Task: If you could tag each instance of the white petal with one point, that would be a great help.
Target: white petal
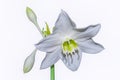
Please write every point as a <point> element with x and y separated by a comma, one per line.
<point>64,22</point>
<point>89,46</point>
<point>87,32</point>
<point>29,62</point>
<point>72,62</point>
<point>51,58</point>
<point>49,43</point>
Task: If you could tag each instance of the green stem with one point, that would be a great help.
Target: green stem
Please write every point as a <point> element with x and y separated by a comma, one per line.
<point>52,72</point>
<point>38,27</point>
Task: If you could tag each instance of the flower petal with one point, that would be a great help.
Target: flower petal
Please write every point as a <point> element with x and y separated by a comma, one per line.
<point>48,44</point>
<point>89,46</point>
<point>87,32</point>
<point>29,62</point>
<point>72,61</point>
<point>51,58</point>
<point>64,22</point>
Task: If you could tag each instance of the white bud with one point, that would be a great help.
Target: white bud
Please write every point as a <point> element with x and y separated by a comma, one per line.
<point>31,15</point>
<point>29,62</point>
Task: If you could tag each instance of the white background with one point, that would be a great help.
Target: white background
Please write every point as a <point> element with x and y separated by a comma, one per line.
<point>18,36</point>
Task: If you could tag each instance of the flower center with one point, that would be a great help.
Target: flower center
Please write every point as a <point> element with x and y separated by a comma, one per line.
<point>69,46</point>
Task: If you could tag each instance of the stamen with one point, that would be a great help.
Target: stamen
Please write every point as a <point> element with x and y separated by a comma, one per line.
<point>64,57</point>
<point>69,48</point>
<point>73,52</point>
<point>76,50</point>
<point>71,58</point>
<point>68,59</point>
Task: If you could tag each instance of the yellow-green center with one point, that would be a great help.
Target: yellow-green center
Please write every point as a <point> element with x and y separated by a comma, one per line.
<point>69,46</point>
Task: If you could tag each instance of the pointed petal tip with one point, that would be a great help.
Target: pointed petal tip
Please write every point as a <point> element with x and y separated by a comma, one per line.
<point>98,25</point>
<point>63,12</point>
<point>102,48</point>
<point>74,69</point>
<point>42,67</point>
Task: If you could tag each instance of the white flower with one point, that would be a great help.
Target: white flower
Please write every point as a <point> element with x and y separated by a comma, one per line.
<point>67,43</point>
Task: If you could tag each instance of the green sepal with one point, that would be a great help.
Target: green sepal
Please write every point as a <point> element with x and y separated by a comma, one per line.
<point>46,31</point>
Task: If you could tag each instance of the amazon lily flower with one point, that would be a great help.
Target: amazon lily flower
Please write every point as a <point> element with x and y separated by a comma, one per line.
<point>67,43</point>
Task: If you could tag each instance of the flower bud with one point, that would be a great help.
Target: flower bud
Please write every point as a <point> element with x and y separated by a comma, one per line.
<point>29,62</point>
<point>31,15</point>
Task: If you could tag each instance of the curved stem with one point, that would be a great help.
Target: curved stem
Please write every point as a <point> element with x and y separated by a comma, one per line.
<point>52,72</point>
<point>38,27</point>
